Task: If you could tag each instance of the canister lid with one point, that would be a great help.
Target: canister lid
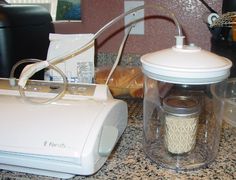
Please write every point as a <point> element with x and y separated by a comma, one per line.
<point>181,105</point>
<point>187,65</point>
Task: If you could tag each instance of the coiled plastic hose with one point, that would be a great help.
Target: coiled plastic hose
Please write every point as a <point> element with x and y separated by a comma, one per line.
<point>12,80</point>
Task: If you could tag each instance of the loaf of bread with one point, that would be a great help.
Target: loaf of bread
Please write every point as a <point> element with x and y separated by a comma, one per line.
<point>124,80</point>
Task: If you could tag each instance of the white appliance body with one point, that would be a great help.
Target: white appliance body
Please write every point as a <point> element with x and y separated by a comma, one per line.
<point>72,136</point>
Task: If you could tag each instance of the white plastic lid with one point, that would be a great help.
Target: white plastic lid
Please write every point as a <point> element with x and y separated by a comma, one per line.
<point>187,65</point>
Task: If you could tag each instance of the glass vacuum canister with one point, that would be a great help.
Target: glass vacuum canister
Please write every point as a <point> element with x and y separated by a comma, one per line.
<point>183,106</point>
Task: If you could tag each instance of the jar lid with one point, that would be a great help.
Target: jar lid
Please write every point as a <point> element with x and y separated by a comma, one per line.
<point>181,105</point>
<point>187,65</point>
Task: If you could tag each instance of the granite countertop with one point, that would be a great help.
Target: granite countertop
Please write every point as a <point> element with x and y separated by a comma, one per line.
<point>128,160</point>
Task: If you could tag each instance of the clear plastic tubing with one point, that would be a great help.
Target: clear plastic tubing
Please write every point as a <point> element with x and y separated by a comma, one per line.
<point>109,24</point>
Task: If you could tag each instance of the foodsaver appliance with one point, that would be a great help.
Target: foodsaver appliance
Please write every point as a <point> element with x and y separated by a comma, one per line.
<point>59,129</point>
<point>74,135</point>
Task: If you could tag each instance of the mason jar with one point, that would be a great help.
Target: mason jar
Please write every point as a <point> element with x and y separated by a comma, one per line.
<point>181,114</point>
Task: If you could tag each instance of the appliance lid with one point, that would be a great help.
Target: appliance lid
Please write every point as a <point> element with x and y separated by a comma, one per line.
<point>59,129</point>
<point>187,65</point>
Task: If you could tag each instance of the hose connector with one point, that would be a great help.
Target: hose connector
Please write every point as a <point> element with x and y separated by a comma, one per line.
<point>30,70</point>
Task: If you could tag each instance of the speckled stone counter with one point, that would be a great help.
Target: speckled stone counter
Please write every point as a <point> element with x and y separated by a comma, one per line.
<point>128,160</point>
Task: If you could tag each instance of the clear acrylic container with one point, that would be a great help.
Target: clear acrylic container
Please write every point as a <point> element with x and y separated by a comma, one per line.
<point>183,106</point>
<point>182,136</point>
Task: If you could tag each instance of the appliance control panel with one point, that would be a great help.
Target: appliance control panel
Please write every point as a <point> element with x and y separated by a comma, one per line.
<point>49,89</point>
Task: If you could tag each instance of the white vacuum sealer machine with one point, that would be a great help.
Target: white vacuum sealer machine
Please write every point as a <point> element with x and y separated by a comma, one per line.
<point>72,136</point>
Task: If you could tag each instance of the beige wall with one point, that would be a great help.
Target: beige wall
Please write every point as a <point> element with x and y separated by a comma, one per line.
<point>159,30</point>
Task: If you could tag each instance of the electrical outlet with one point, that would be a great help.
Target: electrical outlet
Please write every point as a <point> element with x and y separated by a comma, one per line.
<point>137,17</point>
